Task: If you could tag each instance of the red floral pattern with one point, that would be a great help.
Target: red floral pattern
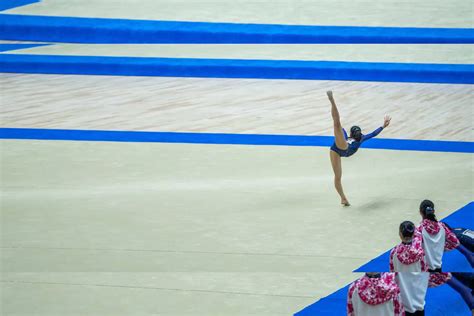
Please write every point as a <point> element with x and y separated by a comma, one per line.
<point>409,253</point>
<point>438,278</point>
<point>375,291</point>
<point>433,228</point>
<point>452,241</point>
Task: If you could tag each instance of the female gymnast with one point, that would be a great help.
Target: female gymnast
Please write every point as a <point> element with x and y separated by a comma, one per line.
<point>346,147</point>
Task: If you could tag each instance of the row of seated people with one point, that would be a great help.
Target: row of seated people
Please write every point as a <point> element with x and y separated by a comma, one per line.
<point>415,265</point>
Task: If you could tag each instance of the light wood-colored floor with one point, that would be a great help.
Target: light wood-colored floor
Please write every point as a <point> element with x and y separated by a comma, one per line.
<point>416,13</point>
<point>419,111</point>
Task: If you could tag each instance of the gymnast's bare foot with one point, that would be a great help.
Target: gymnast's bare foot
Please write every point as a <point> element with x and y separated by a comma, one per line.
<point>345,202</point>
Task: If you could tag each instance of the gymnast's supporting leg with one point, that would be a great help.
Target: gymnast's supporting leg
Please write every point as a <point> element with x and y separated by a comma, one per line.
<point>337,167</point>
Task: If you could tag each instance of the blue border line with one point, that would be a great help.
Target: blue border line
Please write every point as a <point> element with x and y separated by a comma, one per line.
<point>10,4</point>
<point>237,68</point>
<point>8,47</point>
<point>113,31</point>
<point>228,139</point>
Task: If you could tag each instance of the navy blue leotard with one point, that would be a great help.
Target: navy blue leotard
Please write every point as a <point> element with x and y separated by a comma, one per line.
<point>354,145</point>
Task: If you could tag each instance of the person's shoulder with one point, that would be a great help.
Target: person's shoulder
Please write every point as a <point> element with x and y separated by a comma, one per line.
<point>352,287</point>
<point>446,226</point>
<point>394,249</point>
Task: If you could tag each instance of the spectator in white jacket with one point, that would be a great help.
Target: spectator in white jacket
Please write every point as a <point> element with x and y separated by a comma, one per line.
<point>408,260</point>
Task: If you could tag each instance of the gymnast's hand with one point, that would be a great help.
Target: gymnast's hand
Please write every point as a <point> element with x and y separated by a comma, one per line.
<point>386,121</point>
<point>329,93</point>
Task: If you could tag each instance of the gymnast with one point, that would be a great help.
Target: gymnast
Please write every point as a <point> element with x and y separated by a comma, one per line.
<point>346,146</point>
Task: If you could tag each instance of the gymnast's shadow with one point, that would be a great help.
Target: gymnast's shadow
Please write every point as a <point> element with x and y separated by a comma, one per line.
<point>372,205</point>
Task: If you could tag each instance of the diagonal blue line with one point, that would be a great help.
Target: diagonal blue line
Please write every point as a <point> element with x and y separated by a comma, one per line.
<point>8,47</point>
<point>10,4</point>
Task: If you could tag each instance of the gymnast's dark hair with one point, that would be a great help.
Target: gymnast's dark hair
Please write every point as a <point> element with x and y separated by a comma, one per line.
<point>356,133</point>
<point>427,210</point>
<point>407,229</point>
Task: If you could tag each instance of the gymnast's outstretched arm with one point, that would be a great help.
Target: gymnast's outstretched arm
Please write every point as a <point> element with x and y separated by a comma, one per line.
<point>386,123</point>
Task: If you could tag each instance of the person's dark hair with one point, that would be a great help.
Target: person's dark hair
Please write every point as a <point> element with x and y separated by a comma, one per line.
<point>427,210</point>
<point>373,275</point>
<point>407,229</point>
<point>356,133</point>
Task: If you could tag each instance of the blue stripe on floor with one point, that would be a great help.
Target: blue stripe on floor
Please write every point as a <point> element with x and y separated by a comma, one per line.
<point>113,31</point>
<point>230,139</point>
<point>237,68</point>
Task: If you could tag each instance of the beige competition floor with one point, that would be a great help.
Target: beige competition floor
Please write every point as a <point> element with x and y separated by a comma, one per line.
<point>176,229</point>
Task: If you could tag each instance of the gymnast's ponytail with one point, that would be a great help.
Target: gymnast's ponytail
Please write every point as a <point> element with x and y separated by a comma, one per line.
<point>427,210</point>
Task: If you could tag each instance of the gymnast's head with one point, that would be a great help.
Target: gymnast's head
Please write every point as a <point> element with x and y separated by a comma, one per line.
<point>356,133</point>
<point>406,231</point>
<point>427,210</point>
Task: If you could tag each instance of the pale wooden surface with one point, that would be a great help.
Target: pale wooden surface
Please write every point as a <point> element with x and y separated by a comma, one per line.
<point>417,13</point>
<point>420,111</point>
<point>444,54</point>
<point>93,228</point>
